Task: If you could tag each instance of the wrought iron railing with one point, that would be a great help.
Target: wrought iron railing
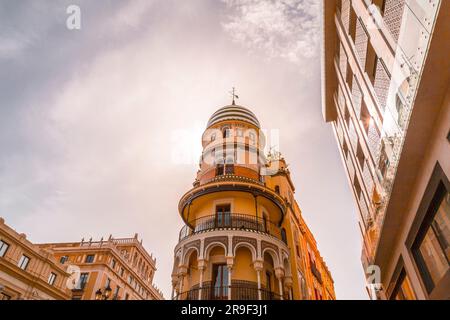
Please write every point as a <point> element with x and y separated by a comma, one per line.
<point>233,221</point>
<point>236,292</point>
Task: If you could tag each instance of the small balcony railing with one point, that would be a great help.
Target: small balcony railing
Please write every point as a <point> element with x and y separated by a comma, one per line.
<point>236,292</point>
<point>231,221</point>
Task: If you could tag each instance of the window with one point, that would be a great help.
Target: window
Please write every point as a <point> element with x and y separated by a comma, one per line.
<point>357,188</point>
<point>360,156</point>
<point>52,278</point>
<point>269,281</point>
<point>219,170</point>
<point>63,259</point>
<point>3,248</point>
<point>89,258</point>
<point>223,215</point>
<point>252,136</point>
<point>23,262</point>
<point>113,263</point>
<point>116,293</point>
<point>108,283</point>
<point>371,62</point>
<point>352,26</point>
<point>380,4</point>
<point>318,293</point>
<point>347,116</point>
<point>240,133</point>
<point>83,280</point>
<point>383,163</point>
<point>431,249</point>
<point>277,189</point>
<point>127,296</point>
<point>345,148</point>
<point>403,289</point>
<point>297,250</point>
<point>213,137</point>
<point>226,132</point>
<point>122,271</point>
<point>303,286</point>
<point>349,77</point>
<point>220,282</point>
<point>365,117</point>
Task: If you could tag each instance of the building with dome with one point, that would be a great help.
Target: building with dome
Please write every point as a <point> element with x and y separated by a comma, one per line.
<point>244,237</point>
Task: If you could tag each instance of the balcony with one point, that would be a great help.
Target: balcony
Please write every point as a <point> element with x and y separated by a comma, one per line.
<point>236,292</point>
<point>231,221</point>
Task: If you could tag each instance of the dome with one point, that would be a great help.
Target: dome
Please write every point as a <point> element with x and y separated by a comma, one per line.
<point>233,112</point>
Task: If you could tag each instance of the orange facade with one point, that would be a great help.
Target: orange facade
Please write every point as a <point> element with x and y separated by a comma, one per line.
<point>244,237</point>
<point>28,272</point>
<point>112,269</point>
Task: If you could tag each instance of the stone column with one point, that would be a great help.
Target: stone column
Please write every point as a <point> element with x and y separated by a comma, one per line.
<point>230,262</point>
<point>174,285</point>
<point>201,267</point>
<point>258,265</point>
<point>288,285</point>
<point>181,274</point>
<point>279,273</point>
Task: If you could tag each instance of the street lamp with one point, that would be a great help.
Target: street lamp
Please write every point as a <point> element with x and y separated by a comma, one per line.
<point>99,295</point>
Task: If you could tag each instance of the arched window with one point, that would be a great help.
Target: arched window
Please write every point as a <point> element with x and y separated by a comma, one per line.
<point>277,189</point>
<point>283,235</point>
<point>213,137</point>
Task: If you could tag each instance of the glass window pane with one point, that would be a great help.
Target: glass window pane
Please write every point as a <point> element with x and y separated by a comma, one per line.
<point>405,291</point>
<point>224,276</point>
<point>433,256</point>
<point>441,225</point>
<point>3,247</point>
<point>23,262</point>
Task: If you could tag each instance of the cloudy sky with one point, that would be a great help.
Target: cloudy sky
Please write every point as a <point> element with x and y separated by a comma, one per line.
<point>100,128</point>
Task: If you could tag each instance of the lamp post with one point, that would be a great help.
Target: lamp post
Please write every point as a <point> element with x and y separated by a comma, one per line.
<point>99,295</point>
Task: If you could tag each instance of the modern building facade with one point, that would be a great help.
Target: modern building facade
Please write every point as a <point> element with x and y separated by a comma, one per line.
<point>244,235</point>
<point>112,269</point>
<point>386,93</point>
<point>28,272</point>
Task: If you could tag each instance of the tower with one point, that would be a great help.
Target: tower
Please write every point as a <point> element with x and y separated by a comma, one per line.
<point>244,237</point>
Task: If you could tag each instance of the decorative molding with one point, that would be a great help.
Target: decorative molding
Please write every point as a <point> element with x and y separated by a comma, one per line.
<point>265,245</point>
<point>219,239</point>
<point>251,241</point>
<point>193,244</point>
